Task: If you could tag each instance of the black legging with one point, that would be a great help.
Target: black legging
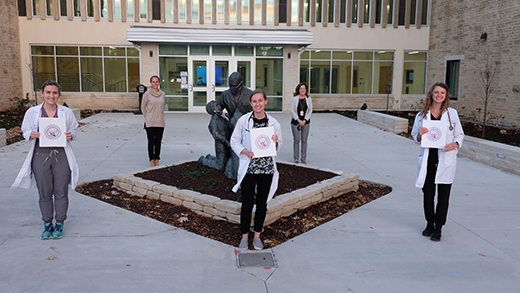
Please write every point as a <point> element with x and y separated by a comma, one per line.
<point>262,182</point>
<point>154,135</point>
<point>434,215</point>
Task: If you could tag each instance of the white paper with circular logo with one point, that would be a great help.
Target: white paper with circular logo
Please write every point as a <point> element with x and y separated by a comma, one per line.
<point>436,135</point>
<point>52,132</point>
<point>261,142</point>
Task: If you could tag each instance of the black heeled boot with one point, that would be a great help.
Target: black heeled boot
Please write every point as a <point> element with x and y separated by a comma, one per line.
<point>436,234</point>
<point>429,230</point>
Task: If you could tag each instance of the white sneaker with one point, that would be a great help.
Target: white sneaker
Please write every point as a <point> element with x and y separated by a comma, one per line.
<point>243,244</point>
<point>257,243</point>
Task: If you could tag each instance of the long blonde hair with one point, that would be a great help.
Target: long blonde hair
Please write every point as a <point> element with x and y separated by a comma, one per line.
<point>429,99</point>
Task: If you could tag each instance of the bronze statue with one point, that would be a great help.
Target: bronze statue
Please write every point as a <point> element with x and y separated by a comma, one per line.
<point>235,101</point>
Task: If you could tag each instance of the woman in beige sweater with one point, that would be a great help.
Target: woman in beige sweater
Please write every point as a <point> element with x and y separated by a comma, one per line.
<point>152,107</point>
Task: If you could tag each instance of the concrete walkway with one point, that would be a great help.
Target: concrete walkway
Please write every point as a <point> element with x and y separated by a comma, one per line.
<point>375,248</point>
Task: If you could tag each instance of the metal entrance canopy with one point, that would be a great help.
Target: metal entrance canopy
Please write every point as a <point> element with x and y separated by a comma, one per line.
<point>145,34</point>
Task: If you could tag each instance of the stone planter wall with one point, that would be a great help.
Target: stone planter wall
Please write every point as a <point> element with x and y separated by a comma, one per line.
<point>383,121</point>
<point>3,137</point>
<point>501,156</point>
<point>207,205</point>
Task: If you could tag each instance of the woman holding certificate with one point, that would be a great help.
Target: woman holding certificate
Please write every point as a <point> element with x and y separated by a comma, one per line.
<point>439,131</point>
<point>256,173</point>
<point>152,107</point>
<point>301,110</point>
<point>50,164</point>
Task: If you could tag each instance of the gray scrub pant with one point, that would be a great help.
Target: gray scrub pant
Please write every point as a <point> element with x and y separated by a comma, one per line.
<point>300,136</point>
<point>52,173</point>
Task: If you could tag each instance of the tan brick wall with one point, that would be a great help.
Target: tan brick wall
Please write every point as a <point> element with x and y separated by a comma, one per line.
<point>456,27</point>
<point>10,71</point>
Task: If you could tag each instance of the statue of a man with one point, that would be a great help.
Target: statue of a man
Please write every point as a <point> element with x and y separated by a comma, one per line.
<point>235,99</point>
<point>221,131</point>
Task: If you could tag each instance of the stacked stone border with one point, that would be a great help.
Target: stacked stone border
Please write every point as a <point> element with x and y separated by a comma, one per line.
<point>282,205</point>
<point>383,121</point>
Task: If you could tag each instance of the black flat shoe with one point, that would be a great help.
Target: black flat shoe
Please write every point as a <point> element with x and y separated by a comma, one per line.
<point>428,231</point>
<point>436,235</point>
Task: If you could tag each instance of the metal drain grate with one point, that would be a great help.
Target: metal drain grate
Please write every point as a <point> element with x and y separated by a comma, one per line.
<point>255,259</point>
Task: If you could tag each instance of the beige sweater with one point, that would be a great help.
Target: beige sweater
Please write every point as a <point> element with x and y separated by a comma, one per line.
<point>152,107</point>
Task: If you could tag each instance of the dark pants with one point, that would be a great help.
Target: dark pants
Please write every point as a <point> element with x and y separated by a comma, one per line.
<point>439,214</point>
<point>154,135</point>
<point>52,173</point>
<point>262,182</point>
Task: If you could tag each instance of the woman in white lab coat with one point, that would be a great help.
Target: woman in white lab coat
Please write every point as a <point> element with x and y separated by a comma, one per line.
<point>257,177</point>
<point>51,169</point>
<point>436,167</point>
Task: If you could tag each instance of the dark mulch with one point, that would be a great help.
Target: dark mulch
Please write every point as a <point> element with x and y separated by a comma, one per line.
<point>206,180</point>
<point>274,234</point>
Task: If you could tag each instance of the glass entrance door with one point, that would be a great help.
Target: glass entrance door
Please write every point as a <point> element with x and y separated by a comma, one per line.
<point>208,78</point>
<point>199,83</point>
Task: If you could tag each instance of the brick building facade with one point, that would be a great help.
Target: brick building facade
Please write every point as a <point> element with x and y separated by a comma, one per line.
<point>465,34</point>
<point>10,61</point>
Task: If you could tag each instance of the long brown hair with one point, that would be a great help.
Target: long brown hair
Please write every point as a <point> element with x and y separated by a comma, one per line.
<point>297,90</point>
<point>429,98</point>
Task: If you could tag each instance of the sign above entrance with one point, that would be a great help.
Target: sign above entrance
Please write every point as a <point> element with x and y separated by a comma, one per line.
<point>139,34</point>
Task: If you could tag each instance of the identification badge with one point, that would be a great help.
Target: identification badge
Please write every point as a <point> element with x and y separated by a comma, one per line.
<point>301,113</point>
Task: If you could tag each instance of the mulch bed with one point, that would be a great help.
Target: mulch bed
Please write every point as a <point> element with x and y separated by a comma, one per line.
<point>278,232</point>
<point>209,181</point>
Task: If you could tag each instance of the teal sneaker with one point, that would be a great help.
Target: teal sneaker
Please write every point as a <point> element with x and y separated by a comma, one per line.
<point>58,231</point>
<point>48,229</point>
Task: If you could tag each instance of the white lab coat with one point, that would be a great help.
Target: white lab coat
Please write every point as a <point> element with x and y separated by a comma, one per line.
<point>447,160</point>
<point>25,178</point>
<point>241,139</point>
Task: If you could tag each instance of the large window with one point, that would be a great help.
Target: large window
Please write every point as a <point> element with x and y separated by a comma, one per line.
<point>414,71</point>
<point>173,68</point>
<point>347,72</point>
<point>269,75</point>
<point>452,78</point>
<point>86,69</point>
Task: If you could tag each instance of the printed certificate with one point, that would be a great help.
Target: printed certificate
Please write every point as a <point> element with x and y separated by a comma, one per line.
<point>436,135</point>
<point>261,143</point>
<point>52,132</point>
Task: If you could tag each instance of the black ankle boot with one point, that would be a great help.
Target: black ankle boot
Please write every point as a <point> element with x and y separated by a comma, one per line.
<point>428,231</point>
<point>436,235</point>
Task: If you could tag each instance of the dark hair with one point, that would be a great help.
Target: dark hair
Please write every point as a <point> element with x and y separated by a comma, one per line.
<point>258,91</point>
<point>155,77</point>
<point>51,82</point>
<point>429,98</point>
<point>297,90</point>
